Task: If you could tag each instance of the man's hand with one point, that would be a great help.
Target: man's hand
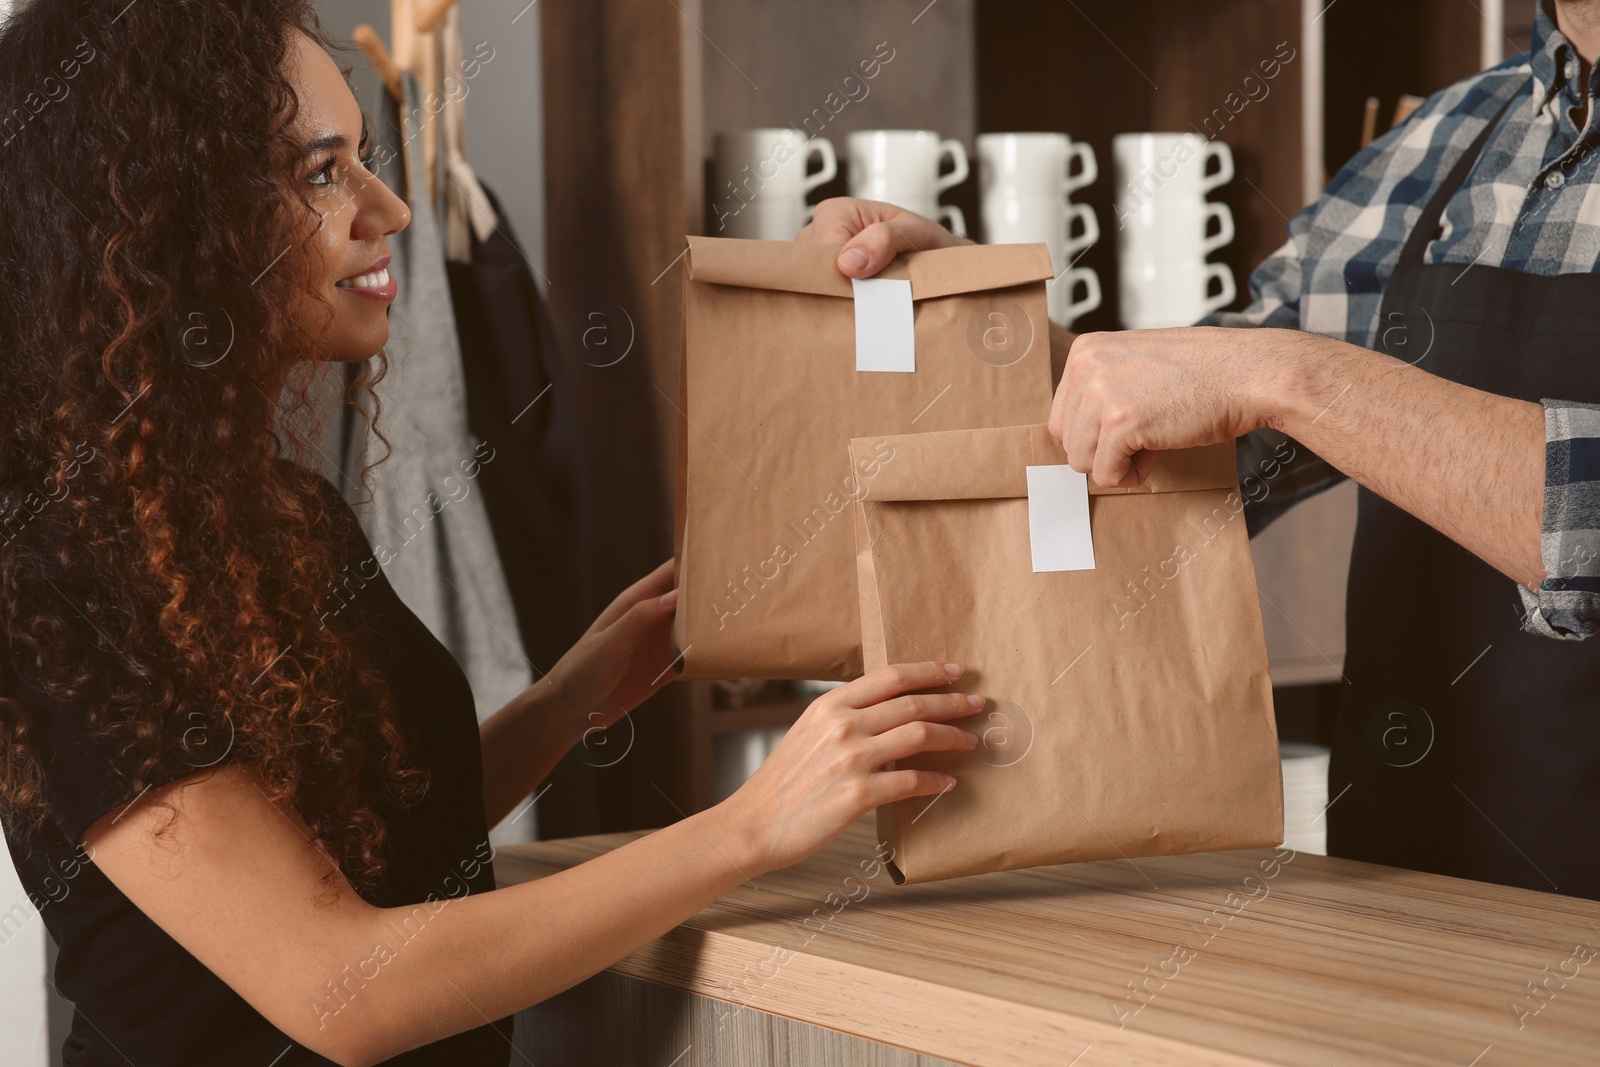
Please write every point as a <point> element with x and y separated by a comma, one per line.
<point>1126,396</point>
<point>873,233</point>
<point>1469,463</point>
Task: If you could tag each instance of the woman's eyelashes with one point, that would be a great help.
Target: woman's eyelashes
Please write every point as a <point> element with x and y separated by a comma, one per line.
<point>324,175</point>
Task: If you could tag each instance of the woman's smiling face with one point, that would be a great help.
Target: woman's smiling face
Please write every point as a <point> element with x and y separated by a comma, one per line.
<point>355,211</point>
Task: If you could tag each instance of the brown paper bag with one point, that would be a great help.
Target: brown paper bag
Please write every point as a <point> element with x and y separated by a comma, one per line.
<point>1130,711</point>
<point>769,401</point>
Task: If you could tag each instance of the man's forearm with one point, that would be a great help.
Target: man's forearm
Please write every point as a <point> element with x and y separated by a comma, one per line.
<point>1468,463</point>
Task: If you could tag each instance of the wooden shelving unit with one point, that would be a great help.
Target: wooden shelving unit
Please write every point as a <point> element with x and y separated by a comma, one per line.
<point>634,90</point>
<point>706,721</point>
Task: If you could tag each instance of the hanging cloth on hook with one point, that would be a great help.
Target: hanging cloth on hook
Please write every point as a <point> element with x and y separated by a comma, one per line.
<point>520,400</point>
<point>465,202</point>
<point>427,520</point>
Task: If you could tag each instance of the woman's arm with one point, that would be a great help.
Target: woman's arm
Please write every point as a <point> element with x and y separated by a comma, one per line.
<point>237,887</point>
<point>522,743</point>
<point>236,881</point>
<point>619,661</point>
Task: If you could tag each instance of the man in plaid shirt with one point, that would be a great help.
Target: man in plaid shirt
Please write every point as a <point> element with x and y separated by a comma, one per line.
<point>1431,329</point>
<point>1531,205</point>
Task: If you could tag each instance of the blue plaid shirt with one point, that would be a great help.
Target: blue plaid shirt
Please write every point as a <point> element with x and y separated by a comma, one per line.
<point>1531,204</point>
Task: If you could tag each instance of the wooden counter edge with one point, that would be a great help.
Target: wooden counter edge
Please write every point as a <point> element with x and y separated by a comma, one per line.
<point>924,1017</point>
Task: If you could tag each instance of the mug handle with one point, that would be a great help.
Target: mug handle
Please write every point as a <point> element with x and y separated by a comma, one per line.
<point>1219,151</point>
<point>958,161</point>
<point>1088,170</point>
<point>1225,232</point>
<point>954,220</point>
<point>1090,234</point>
<point>1222,273</point>
<point>1091,296</point>
<point>830,164</point>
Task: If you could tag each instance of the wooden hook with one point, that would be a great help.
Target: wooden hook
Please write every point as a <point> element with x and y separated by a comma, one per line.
<point>432,12</point>
<point>1369,121</point>
<point>1405,106</point>
<point>372,45</point>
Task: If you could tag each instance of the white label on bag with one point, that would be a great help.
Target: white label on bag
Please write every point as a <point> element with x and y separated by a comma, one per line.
<point>886,338</point>
<point>1058,519</point>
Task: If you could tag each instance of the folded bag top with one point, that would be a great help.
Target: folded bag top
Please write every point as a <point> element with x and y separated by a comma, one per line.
<point>796,267</point>
<point>993,463</point>
<point>769,399</point>
<point>1130,708</point>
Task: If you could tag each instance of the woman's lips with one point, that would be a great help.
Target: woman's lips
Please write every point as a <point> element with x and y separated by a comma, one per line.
<point>376,284</point>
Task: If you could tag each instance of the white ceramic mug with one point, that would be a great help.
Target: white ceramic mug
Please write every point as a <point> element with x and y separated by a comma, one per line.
<point>1011,218</point>
<point>1173,227</point>
<point>760,182</point>
<point>1156,165</point>
<point>1037,163</point>
<point>1157,293</point>
<point>1062,309</point>
<point>953,218</point>
<point>1025,183</point>
<point>901,167</point>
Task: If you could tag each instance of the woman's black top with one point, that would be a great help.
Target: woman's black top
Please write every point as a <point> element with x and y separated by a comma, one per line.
<point>140,997</point>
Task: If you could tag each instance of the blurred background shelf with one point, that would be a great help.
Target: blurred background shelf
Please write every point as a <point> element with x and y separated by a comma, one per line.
<point>777,714</point>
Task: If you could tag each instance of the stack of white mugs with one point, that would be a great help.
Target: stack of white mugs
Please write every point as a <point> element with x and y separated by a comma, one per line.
<point>1166,228</point>
<point>1025,184</point>
<point>760,178</point>
<point>1166,225</point>
<point>905,168</point>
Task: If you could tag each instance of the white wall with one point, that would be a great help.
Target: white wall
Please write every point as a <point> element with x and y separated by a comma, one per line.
<point>23,1030</point>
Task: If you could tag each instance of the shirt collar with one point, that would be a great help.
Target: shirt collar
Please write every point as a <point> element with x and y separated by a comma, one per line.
<point>1552,57</point>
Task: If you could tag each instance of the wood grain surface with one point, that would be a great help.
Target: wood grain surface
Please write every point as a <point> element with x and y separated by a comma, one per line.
<point>1223,958</point>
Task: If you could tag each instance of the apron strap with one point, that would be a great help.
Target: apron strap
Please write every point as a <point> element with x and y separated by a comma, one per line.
<point>1428,225</point>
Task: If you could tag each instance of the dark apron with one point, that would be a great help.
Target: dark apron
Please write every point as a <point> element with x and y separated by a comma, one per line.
<point>1465,745</point>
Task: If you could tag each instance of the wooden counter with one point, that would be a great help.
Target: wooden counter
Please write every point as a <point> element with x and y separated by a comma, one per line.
<point>1224,958</point>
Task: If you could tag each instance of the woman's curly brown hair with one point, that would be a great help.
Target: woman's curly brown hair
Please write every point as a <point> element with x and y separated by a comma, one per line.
<point>163,551</point>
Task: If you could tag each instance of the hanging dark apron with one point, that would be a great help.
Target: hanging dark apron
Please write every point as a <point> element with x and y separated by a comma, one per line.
<point>1465,745</point>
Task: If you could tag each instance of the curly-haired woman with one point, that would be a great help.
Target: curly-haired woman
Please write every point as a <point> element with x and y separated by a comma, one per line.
<point>257,829</point>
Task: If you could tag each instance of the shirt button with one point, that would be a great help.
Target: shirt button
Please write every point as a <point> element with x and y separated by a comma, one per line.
<point>1556,180</point>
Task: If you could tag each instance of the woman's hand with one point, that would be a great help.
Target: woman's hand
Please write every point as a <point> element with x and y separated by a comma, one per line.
<point>625,657</point>
<point>873,233</point>
<point>828,770</point>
